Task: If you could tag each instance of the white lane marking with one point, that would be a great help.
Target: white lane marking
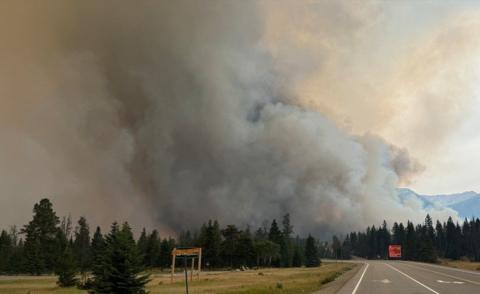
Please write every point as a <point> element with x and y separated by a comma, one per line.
<point>450,282</point>
<point>360,280</point>
<point>423,285</point>
<point>384,281</point>
<point>444,267</point>
<point>443,274</point>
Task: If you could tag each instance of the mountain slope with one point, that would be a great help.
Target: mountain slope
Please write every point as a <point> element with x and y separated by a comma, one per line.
<point>467,204</point>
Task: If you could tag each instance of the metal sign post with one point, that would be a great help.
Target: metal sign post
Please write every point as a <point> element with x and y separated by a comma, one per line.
<point>185,269</point>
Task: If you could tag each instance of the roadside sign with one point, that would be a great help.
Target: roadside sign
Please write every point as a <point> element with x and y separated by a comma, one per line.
<point>394,251</point>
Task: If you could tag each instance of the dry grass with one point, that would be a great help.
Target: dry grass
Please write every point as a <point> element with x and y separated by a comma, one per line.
<point>461,264</point>
<point>293,280</point>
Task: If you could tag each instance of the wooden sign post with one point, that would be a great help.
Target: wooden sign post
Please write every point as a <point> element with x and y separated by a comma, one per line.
<point>193,253</point>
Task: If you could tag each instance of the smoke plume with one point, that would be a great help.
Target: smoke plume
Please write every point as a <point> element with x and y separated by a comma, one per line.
<point>169,113</point>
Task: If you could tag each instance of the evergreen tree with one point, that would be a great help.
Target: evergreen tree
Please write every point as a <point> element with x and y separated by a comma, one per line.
<point>275,235</point>
<point>311,253</point>
<point>372,248</point>
<point>347,248</point>
<point>66,269</point>
<point>410,242</point>
<point>81,247</point>
<point>229,245</point>
<point>166,248</point>
<point>383,240</point>
<point>142,245</point>
<point>17,262</point>
<point>119,269</point>
<point>440,239</point>
<point>451,239</point>
<point>97,251</point>
<point>245,250</point>
<point>153,249</point>
<point>210,240</point>
<point>297,260</point>
<point>286,246</point>
<point>41,250</point>
<point>426,251</point>
<point>98,244</point>
<point>6,250</point>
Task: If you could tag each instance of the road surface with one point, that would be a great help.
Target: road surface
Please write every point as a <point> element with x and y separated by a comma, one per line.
<point>395,277</point>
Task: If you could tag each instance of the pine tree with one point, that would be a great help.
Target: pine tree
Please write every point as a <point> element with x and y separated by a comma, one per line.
<point>119,269</point>
<point>98,253</point>
<point>410,242</point>
<point>142,245</point>
<point>311,253</point>
<point>98,244</point>
<point>383,240</point>
<point>6,250</point>
<point>66,269</point>
<point>426,251</point>
<point>297,259</point>
<point>81,247</point>
<point>210,240</point>
<point>347,248</point>
<point>275,235</point>
<point>152,250</point>
<point>229,245</point>
<point>245,250</point>
<point>41,250</point>
<point>451,240</point>
<point>286,246</point>
<point>166,248</point>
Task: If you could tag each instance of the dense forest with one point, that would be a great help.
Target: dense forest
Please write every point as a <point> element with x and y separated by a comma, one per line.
<point>422,242</point>
<point>50,245</point>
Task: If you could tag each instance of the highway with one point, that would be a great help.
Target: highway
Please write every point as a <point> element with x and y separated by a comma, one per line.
<point>402,277</point>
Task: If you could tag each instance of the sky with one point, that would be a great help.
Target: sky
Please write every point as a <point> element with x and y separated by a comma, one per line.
<point>421,61</point>
<point>452,166</point>
<point>168,113</point>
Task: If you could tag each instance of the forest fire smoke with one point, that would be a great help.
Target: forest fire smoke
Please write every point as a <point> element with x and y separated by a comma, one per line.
<point>159,112</point>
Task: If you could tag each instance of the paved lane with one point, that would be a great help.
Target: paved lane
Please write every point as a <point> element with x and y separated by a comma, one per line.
<point>398,277</point>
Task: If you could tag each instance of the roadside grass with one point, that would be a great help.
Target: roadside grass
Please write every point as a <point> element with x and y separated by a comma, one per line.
<point>289,281</point>
<point>461,264</point>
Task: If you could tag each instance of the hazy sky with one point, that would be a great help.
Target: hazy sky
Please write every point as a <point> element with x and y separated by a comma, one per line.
<point>411,75</point>
<point>452,166</point>
<point>243,110</point>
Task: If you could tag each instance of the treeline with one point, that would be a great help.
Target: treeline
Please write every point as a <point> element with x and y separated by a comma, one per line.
<point>268,246</point>
<point>110,263</point>
<point>422,242</point>
<point>48,244</point>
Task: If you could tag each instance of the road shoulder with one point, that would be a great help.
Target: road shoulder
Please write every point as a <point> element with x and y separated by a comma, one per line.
<point>341,281</point>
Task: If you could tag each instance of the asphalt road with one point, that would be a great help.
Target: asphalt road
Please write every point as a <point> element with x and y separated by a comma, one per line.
<point>392,277</point>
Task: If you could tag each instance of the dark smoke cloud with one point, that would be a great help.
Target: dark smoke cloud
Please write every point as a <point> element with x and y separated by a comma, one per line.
<point>170,113</point>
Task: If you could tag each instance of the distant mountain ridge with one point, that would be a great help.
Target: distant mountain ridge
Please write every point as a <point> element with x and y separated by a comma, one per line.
<point>467,204</point>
